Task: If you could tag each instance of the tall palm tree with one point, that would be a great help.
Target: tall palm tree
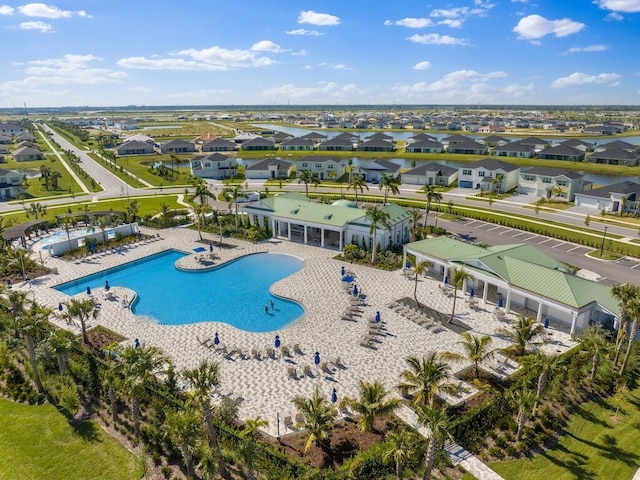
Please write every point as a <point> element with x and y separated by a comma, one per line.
<point>249,436</point>
<point>14,302</point>
<point>132,209</point>
<point>20,258</point>
<point>81,311</point>
<point>308,177</point>
<point>203,380</point>
<point>201,192</point>
<point>522,398</point>
<point>199,211</point>
<point>458,277</point>
<point>390,184</point>
<point>61,342</point>
<point>33,322</point>
<point>138,367</point>
<point>419,269</point>
<point>401,446</point>
<point>175,160</point>
<point>165,210</point>
<point>371,404</point>
<point>557,191</point>
<point>424,377</point>
<point>633,309</point>
<point>37,210</point>
<point>357,183</point>
<point>477,349</point>
<point>414,222</point>
<point>112,379</point>
<point>103,223</point>
<point>624,293</point>
<point>595,344</point>
<point>545,366</point>
<point>525,332</point>
<point>67,224</point>
<point>378,217</point>
<point>435,418</point>
<point>183,428</point>
<point>432,195</point>
<point>232,196</point>
<point>318,417</point>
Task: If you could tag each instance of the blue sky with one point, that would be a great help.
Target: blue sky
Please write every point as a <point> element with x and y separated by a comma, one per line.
<point>215,52</point>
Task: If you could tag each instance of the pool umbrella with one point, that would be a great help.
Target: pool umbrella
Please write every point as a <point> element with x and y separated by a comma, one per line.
<point>316,358</point>
<point>59,307</point>
<point>546,323</point>
<point>88,290</point>
<point>276,343</point>
<point>377,317</point>
<point>500,304</point>
<point>107,286</point>
<point>216,339</point>
<point>342,271</point>
<point>334,395</point>
<point>472,292</point>
<point>446,280</point>
<point>355,290</point>
<point>136,343</point>
<point>199,249</point>
<point>211,247</point>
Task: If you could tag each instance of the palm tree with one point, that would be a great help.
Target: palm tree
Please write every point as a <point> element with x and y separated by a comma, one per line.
<point>432,194</point>
<point>356,182</point>
<point>522,398</point>
<point>419,269</point>
<point>132,209</point>
<point>175,160</point>
<point>624,293</point>
<point>377,217</point>
<point>208,463</point>
<point>201,192</point>
<point>308,177</point>
<point>633,310</point>
<point>33,323</point>
<point>414,221</point>
<point>596,345</point>
<point>390,184</point>
<point>14,301</point>
<point>21,258</point>
<point>61,342</point>
<point>81,311</point>
<point>318,416</point>
<point>183,428</point>
<point>232,196</point>
<point>67,225</point>
<point>424,377</point>
<point>139,366</point>
<point>557,191</point>
<point>458,277</point>
<point>249,435</point>
<point>476,349</point>
<point>435,418</point>
<point>401,446</point>
<point>525,332</point>
<point>199,212</point>
<point>112,380</point>
<point>165,210</point>
<point>103,223</point>
<point>203,380</point>
<point>37,210</point>
<point>371,404</point>
<point>545,366</point>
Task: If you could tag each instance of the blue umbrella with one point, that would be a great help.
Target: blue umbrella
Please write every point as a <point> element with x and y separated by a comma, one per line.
<point>199,249</point>
<point>216,339</point>
<point>342,271</point>
<point>472,292</point>
<point>60,307</point>
<point>107,286</point>
<point>355,290</point>
<point>277,341</point>
<point>377,317</point>
<point>500,304</point>
<point>316,358</point>
<point>334,395</point>
<point>546,323</point>
<point>446,280</point>
<point>88,290</point>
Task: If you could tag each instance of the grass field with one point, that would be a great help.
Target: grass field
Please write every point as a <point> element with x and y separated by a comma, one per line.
<point>594,446</point>
<point>36,442</point>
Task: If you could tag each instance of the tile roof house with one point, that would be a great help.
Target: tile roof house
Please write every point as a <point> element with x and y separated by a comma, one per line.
<point>551,183</point>
<point>376,145</point>
<point>177,146</point>
<point>214,165</point>
<point>453,139</point>
<point>623,196</point>
<point>269,168</point>
<point>298,143</point>
<point>258,144</point>
<point>340,143</point>
<point>27,153</point>
<point>372,171</point>
<point>578,144</point>
<point>323,166</point>
<point>489,174</point>
<point>524,278</point>
<point>561,152</point>
<point>424,146</point>
<point>218,145</point>
<point>429,173</point>
<point>10,184</point>
<point>514,150</point>
<point>537,143</point>
<point>494,141</point>
<point>134,147</point>
<point>468,147</point>
<point>615,155</point>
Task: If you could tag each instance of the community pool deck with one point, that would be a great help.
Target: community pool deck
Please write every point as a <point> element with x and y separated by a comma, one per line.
<point>265,385</point>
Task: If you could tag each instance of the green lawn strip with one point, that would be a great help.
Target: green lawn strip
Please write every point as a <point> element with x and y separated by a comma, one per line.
<point>36,442</point>
<point>36,188</point>
<point>121,174</point>
<point>139,166</point>
<point>593,445</point>
<point>605,255</point>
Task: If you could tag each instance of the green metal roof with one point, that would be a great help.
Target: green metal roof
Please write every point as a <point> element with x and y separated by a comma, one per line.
<point>447,248</point>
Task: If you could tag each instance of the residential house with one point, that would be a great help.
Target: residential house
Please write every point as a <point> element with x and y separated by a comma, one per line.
<point>430,173</point>
<point>177,146</point>
<point>489,174</point>
<point>468,147</point>
<point>258,144</point>
<point>134,147</point>
<point>298,143</point>
<point>380,136</point>
<point>455,138</point>
<point>578,144</point>
<point>345,142</point>
<point>538,144</point>
<point>426,145</point>
<point>316,137</point>
<point>372,171</point>
<point>494,141</point>
<point>25,137</point>
<point>10,184</point>
<point>126,124</point>
<point>5,139</point>
<point>11,129</point>
<point>420,137</point>
<point>214,165</point>
<point>551,183</point>
<point>492,129</point>
<point>615,156</point>
<point>243,137</point>
<point>280,137</point>
<point>376,145</point>
<point>218,145</point>
<point>139,137</point>
<point>27,153</point>
<point>269,168</point>
<point>623,196</point>
<point>323,167</point>
<point>561,152</point>
<point>514,150</point>
<point>520,277</point>
<point>294,217</point>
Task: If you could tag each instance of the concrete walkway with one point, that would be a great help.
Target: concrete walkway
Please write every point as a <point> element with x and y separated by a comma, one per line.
<point>457,454</point>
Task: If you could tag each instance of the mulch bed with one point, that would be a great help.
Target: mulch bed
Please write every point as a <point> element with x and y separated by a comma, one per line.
<point>455,326</point>
<point>101,337</point>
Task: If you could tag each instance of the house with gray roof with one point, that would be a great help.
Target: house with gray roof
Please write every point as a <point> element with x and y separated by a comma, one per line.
<point>623,196</point>
<point>11,129</point>
<point>218,145</point>
<point>514,150</point>
<point>24,154</point>
<point>134,147</point>
<point>177,146</point>
<point>489,174</point>
<point>340,143</point>
<point>561,152</point>
<point>324,167</point>
<point>430,173</point>
<point>615,155</point>
<point>551,183</point>
<point>455,138</point>
<point>494,141</point>
<point>420,137</point>
<point>298,143</point>
<point>269,168</point>
<point>25,137</point>
<point>5,139</point>
<point>378,144</point>
<point>425,145</point>
<point>258,143</point>
<point>214,165</point>
<point>468,147</point>
<point>578,144</point>
<point>372,171</point>
<point>10,184</point>
<point>537,143</point>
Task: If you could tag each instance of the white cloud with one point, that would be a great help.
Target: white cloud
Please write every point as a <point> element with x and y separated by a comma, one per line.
<point>437,39</point>
<point>455,17</point>
<point>627,6</point>
<point>319,93</point>
<point>315,18</point>
<point>590,48</point>
<point>6,10</point>
<point>578,78</point>
<point>140,89</point>
<point>451,22</point>
<point>36,25</point>
<point>426,65</point>
<point>307,67</point>
<point>208,59</point>
<point>335,66</point>
<point>302,31</point>
<point>300,53</point>
<point>536,26</point>
<point>42,10</point>
<point>266,46</point>
<point>614,16</point>
<point>410,22</point>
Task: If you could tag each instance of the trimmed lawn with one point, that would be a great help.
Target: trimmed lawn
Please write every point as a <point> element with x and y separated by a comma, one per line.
<point>36,442</point>
<point>594,445</point>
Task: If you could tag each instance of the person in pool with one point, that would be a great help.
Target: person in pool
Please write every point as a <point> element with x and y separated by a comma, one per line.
<point>266,309</point>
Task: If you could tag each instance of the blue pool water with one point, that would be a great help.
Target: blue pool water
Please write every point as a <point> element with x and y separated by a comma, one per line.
<point>235,293</point>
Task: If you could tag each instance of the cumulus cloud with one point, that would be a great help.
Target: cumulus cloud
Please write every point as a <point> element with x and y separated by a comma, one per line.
<point>302,31</point>
<point>578,78</point>
<point>6,10</point>
<point>316,93</point>
<point>36,25</point>
<point>320,19</point>
<point>426,65</point>
<point>334,66</point>
<point>536,26</point>
<point>208,59</point>
<point>437,39</point>
<point>627,6</point>
<point>266,46</point>
<point>590,48</point>
<point>455,17</point>
<point>410,22</point>
<point>614,16</point>
<point>42,10</point>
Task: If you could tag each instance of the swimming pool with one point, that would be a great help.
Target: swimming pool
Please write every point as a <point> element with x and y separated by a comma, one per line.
<point>235,293</point>
<point>59,236</point>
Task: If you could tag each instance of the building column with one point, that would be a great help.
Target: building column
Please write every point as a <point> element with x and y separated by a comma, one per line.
<point>574,317</point>
<point>539,316</point>
<point>289,230</point>
<point>322,237</point>
<point>507,305</point>
<point>404,259</point>
<point>340,241</point>
<point>305,234</point>
<point>273,228</point>
<point>445,274</point>
<point>485,292</point>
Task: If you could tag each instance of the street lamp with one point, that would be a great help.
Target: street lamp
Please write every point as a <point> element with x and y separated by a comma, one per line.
<point>604,236</point>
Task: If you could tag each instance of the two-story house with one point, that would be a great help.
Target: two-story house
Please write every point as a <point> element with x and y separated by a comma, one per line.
<point>324,167</point>
<point>489,174</point>
<point>10,184</point>
<point>551,183</point>
<point>215,165</point>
